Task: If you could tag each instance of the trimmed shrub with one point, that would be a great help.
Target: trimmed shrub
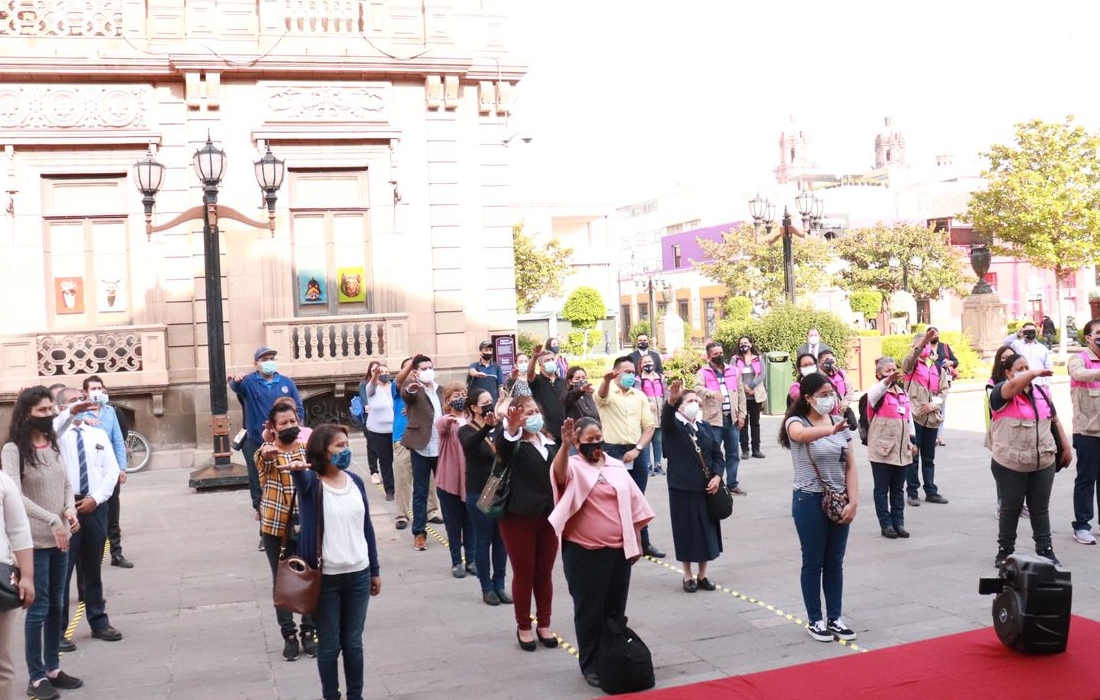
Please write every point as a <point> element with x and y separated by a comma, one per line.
<point>898,346</point>
<point>738,308</point>
<point>865,301</point>
<point>527,343</point>
<point>683,365</point>
<point>784,328</point>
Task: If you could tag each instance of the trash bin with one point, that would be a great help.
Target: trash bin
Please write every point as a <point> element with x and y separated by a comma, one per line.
<point>777,377</point>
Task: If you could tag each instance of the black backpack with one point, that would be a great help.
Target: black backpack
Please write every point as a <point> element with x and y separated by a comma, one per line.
<point>623,661</point>
<point>864,422</point>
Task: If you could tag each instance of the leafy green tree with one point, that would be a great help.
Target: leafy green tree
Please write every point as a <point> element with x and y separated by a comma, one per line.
<point>1042,203</point>
<point>751,264</point>
<point>865,301</point>
<point>540,271</point>
<point>923,261</point>
<point>584,309</point>
<point>783,329</point>
<point>738,307</point>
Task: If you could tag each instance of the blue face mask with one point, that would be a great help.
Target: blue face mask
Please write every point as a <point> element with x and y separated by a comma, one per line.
<point>342,460</point>
<point>80,416</point>
<point>267,367</point>
<point>627,379</point>
<point>534,423</point>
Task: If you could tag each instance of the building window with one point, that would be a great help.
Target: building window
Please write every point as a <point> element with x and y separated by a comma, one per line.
<point>710,316</point>
<point>333,269</point>
<point>677,255</point>
<point>624,323</point>
<point>87,251</point>
<point>684,309</point>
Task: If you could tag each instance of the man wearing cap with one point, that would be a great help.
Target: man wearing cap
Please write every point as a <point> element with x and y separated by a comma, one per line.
<point>257,393</point>
<point>485,373</point>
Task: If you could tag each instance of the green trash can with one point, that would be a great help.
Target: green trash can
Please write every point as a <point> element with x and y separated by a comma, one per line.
<point>777,378</point>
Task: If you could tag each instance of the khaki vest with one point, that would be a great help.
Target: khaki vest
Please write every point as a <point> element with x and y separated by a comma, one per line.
<point>1020,443</point>
<point>888,434</point>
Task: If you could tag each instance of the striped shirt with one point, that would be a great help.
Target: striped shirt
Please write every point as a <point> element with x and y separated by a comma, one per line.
<point>830,453</point>
<point>277,489</point>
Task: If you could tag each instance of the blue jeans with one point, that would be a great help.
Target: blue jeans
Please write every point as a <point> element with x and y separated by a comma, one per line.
<point>340,616</point>
<point>926,446</point>
<point>86,557</point>
<point>1084,484</point>
<point>730,437</point>
<point>823,544</point>
<point>487,537</point>
<point>42,629</point>
<point>889,493</point>
<point>248,448</point>
<point>639,472</point>
<point>457,524</point>
<point>656,449</point>
<point>422,470</point>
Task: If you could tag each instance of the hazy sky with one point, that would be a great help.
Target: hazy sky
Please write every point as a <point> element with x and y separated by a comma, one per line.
<point>626,98</point>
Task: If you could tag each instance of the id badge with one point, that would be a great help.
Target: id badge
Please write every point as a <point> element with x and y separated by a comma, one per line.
<point>901,410</point>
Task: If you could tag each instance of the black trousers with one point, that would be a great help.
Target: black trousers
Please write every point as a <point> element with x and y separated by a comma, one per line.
<point>753,425</point>
<point>114,532</point>
<point>382,446</point>
<point>86,557</point>
<point>599,580</point>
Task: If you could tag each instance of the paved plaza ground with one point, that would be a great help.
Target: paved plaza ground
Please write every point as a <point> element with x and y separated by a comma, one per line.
<point>198,622</point>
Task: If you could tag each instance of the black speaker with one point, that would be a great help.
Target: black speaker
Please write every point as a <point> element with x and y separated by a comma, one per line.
<point>1031,609</point>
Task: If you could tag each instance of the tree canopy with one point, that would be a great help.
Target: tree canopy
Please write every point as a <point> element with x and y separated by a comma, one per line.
<point>540,271</point>
<point>584,308</point>
<point>751,266</point>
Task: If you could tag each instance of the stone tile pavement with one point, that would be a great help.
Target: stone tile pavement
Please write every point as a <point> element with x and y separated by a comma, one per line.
<point>198,622</point>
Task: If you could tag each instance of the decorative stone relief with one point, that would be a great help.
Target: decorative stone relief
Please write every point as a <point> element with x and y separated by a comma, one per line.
<point>327,103</point>
<point>89,353</point>
<point>74,107</point>
<point>61,18</point>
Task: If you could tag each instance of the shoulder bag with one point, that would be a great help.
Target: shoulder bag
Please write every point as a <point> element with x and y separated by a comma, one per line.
<point>9,587</point>
<point>493,500</point>
<point>832,502</point>
<point>719,503</point>
<point>297,583</point>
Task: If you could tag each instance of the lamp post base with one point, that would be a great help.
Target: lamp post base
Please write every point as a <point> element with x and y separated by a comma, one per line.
<point>214,476</point>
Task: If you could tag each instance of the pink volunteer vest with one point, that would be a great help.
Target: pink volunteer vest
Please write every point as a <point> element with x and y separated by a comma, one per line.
<point>1089,364</point>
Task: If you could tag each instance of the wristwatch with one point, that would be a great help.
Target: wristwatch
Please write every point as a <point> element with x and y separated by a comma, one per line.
<point>639,447</point>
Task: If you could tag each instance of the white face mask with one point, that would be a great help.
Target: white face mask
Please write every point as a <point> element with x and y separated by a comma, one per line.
<point>427,375</point>
<point>824,405</point>
<point>807,371</point>
<point>814,339</point>
<point>691,410</point>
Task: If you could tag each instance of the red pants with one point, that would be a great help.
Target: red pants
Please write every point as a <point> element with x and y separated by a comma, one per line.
<point>532,548</point>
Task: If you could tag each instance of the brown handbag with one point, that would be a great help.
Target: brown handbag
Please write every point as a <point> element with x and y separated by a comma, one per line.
<point>297,583</point>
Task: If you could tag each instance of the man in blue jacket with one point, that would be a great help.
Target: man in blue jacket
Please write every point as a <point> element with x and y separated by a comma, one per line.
<point>257,393</point>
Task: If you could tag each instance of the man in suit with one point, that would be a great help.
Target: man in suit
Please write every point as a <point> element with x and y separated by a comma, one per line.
<point>642,350</point>
<point>423,405</point>
<point>813,344</point>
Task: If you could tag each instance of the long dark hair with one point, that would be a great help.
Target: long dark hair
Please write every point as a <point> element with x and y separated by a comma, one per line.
<point>317,453</point>
<point>800,407</point>
<point>1003,364</point>
<point>998,358</point>
<point>20,430</point>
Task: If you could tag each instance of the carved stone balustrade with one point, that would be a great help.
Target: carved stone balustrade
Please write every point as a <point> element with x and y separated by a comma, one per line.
<point>336,346</point>
<point>61,18</point>
<point>325,17</point>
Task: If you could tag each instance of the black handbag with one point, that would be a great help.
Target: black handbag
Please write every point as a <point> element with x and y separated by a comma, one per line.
<point>719,503</point>
<point>623,660</point>
<point>493,500</point>
<point>9,587</point>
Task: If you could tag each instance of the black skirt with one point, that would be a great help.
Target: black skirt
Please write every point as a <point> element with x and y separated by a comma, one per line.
<point>695,537</point>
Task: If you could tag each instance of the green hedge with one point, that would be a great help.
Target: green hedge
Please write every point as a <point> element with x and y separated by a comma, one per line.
<point>898,346</point>
<point>784,328</point>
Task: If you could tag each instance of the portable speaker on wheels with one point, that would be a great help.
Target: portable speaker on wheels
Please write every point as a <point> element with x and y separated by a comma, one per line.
<point>1032,605</point>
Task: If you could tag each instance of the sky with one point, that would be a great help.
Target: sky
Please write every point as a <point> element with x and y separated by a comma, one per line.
<point>626,100</point>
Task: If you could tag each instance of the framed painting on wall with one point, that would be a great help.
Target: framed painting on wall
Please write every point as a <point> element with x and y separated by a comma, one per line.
<point>111,295</point>
<point>69,295</point>
<point>351,284</point>
<point>312,287</point>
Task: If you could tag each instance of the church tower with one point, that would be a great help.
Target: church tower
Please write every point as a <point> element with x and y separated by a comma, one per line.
<point>890,148</point>
<point>795,161</point>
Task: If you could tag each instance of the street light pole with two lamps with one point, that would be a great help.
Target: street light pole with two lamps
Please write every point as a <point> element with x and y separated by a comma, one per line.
<point>763,216</point>
<point>650,282</point>
<point>210,164</point>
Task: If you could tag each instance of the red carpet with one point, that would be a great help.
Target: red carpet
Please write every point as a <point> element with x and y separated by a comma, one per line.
<point>967,666</point>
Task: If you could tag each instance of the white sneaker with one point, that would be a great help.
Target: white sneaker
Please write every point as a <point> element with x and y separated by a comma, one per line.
<point>1084,537</point>
<point>819,631</point>
<point>376,478</point>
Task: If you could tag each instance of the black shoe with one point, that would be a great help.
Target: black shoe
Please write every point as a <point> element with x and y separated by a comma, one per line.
<point>913,500</point>
<point>389,496</point>
<point>889,532</point>
<point>291,650</point>
<point>526,646</point>
<point>66,646</point>
<point>107,634</point>
<point>471,568</point>
<point>902,532</point>
<point>43,690</point>
<point>437,520</point>
<point>690,585</point>
<point>758,454</point>
<point>1002,554</point>
<point>935,498</point>
<point>592,679</point>
<point>505,599</point>
<point>490,598</point>
<point>1048,553</point>
<point>706,584</point>
<point>401,524</point>
<point>457,571</point>
<point>650,551</point>
<point>550,642</point>
<point>64,681</point>
<point>309,643</point>
<point>121,562</point>
<point>745,454</point>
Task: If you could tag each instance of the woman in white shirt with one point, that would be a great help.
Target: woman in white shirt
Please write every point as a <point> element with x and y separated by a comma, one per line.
<point>379,408</point>
<point>19,546</point>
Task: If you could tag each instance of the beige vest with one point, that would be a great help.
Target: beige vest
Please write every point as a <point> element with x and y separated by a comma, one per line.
<point>1086,401</point>
<point>1021,445</point>
<point>888,441</point>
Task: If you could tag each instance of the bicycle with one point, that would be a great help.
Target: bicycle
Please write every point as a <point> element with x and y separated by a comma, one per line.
<point>138,452</point>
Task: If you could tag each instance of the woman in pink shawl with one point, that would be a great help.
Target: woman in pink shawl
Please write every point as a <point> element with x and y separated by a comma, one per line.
<point>450,480</point>
<point>599,513</point>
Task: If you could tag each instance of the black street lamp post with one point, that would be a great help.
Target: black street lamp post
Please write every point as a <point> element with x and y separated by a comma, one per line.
<point>210,163</point>
<point>763,216</point>
<point>650,283</point>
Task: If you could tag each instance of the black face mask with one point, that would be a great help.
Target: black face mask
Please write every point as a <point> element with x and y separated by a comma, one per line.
<point>647,369</point>
<point>828,365</point>
<point>289,435</point>
<point>717,359</point>
<point>43,424</point>
<point>743,348</point>
<point>486,355</point>
<point>554,348</point>
<point>1030,334</point>
<point>487,409</point>
<point>591,451</point>
<point>643,346</point>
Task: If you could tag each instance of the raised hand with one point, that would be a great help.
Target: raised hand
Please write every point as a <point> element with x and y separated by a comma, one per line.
<point>514,420</point>
<point>612,375</point>
<point>568,432</point>
<point>839,427</point>
<point>675,390</point>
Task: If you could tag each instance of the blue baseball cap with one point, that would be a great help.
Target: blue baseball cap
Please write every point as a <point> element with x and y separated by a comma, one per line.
<point>260,352</point>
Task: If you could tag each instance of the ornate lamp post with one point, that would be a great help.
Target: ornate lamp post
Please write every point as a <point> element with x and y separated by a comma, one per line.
<point>650,283</point>
<point>914,263</point>
<point>210,164</point>
<point>810,208</point>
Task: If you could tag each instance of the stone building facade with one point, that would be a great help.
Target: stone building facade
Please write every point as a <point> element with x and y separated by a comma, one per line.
<point>392,119</point>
